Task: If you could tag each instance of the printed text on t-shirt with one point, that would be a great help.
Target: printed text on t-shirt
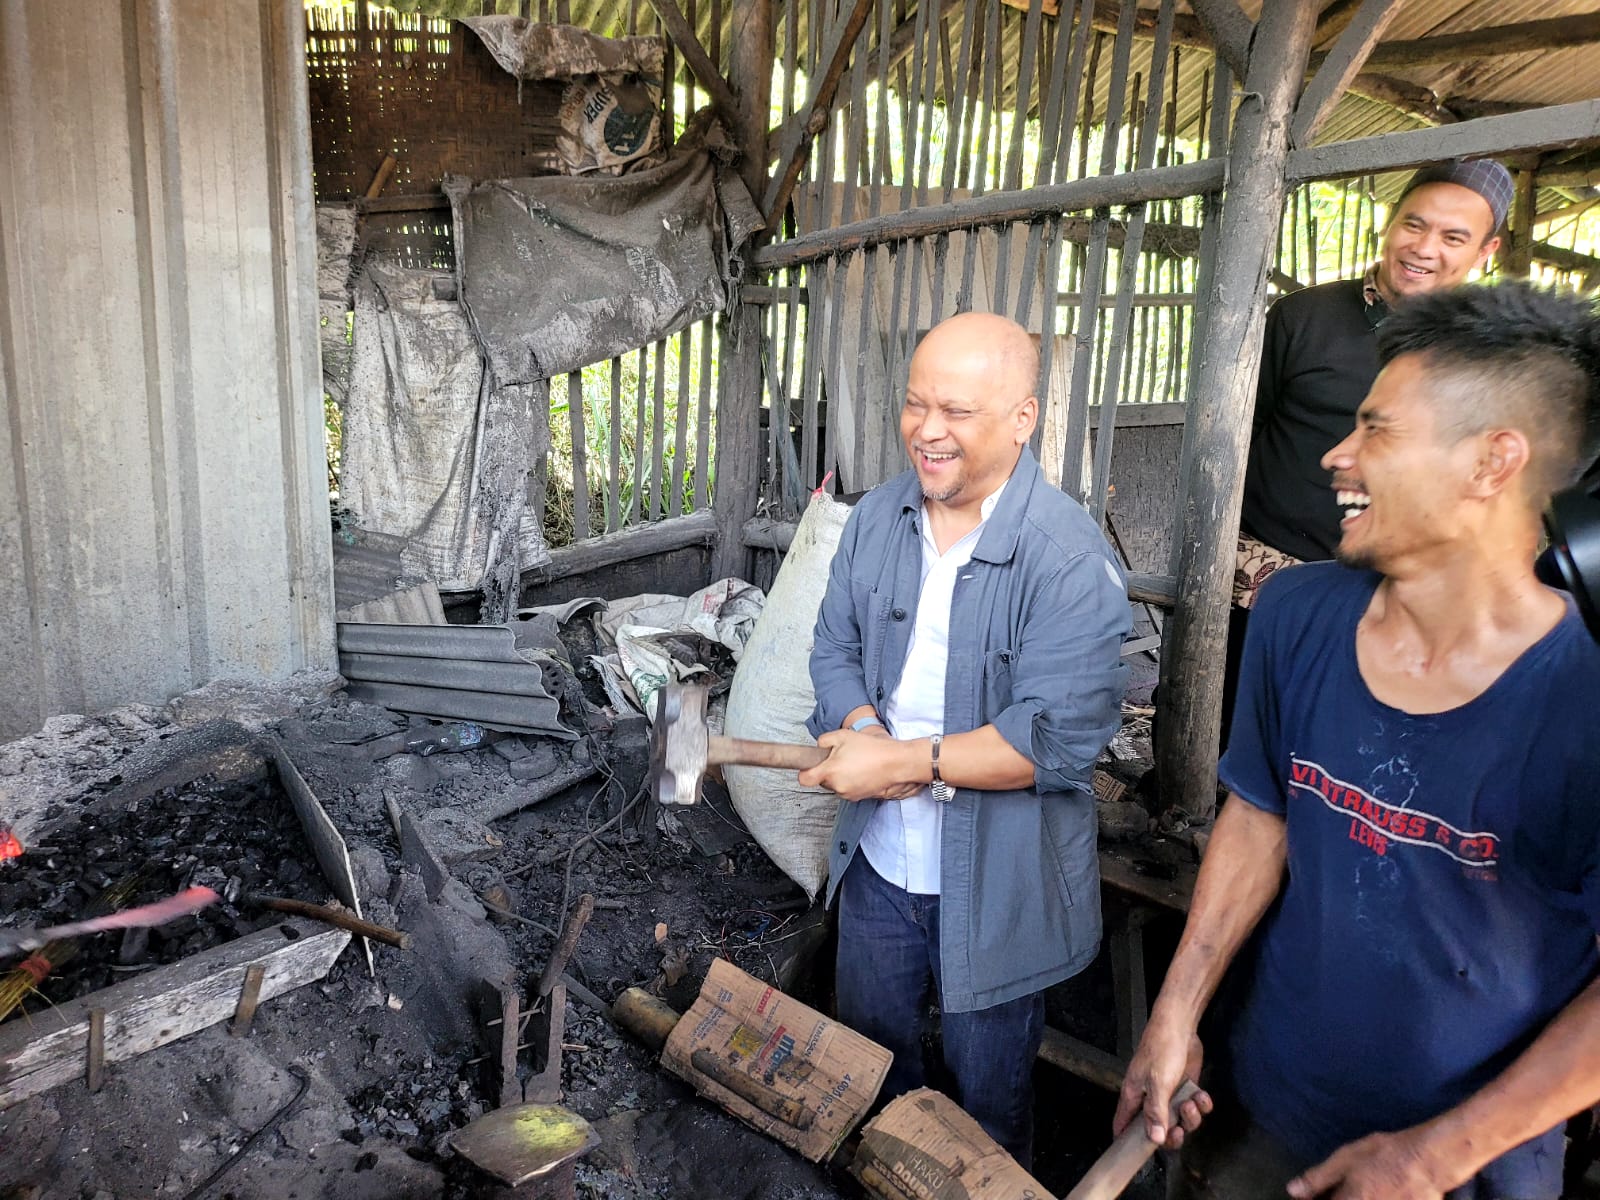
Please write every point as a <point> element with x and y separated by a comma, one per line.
<point>1378,825</point>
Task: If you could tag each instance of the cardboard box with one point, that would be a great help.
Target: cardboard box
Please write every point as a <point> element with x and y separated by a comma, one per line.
<point>774,1063</point>
<point>924,1146</point>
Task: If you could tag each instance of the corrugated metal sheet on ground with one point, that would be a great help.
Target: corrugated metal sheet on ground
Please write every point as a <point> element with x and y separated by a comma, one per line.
<point>492,674</point>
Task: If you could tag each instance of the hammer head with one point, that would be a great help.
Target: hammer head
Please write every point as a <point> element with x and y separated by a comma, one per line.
<point>678,744</point>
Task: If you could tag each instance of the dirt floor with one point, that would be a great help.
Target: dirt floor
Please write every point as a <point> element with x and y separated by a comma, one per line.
<point>350,1087</point>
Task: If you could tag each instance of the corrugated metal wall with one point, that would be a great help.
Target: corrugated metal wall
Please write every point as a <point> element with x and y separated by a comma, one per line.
<point>163,498</point>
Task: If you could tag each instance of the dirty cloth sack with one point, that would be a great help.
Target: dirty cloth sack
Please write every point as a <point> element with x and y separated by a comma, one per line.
<point>772,696</point>
<point>431,452</point>
<point>610,114</point>
<point>561,272</point>
<point>639,627</point>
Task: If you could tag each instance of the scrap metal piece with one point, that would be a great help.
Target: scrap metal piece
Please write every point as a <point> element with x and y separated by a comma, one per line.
<point>524,1142</point>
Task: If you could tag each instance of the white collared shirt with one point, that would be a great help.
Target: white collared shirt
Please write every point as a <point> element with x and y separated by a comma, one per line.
<point>902,839</point>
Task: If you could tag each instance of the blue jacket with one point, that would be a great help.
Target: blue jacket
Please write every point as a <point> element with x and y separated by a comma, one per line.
<point>1036,631</point>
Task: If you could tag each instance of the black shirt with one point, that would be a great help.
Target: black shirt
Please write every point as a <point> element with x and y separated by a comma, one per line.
<point>1317,365</point>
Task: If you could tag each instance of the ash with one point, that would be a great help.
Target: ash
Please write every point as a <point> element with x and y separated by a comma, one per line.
<point>390,1064</point>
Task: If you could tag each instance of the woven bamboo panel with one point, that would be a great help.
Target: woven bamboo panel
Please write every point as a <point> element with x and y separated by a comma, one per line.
<point>424,90</point>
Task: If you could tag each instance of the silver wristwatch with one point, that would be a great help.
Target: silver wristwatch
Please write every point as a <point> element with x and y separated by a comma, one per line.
<point>942,791</point>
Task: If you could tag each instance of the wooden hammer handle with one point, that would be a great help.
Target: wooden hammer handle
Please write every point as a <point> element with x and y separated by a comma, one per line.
<point>787,756</point>
<point>1115,1169</point>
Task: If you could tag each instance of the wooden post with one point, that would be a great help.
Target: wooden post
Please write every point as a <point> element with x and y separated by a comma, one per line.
<point>1219,415</point>
<point>738,483</point>
<point>1520,259</point>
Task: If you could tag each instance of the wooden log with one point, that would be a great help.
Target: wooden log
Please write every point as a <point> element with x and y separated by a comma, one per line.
<point>1219,418</point>
<point>1525,132</point>
<point>1230,31</point>
<point>640,541</point>
<point>1490,42</point>
<point>160,1006</point>
<point>700,66</point>
<point>998,208</point>
<point>1341,66</point>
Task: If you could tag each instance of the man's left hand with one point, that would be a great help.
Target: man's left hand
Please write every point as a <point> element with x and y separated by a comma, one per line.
<point>862,766</point>
<point>1384,1166</point>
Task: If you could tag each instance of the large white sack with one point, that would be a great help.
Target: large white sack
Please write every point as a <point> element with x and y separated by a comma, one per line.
<point>771,698</point>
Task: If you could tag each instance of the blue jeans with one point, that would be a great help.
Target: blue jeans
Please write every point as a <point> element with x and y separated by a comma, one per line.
<point>888,958</point>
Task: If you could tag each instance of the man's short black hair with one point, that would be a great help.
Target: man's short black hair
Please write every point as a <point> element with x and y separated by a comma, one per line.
<point>1510,355</point>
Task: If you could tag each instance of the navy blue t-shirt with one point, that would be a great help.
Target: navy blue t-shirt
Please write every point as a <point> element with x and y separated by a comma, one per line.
<point>1443,888</point>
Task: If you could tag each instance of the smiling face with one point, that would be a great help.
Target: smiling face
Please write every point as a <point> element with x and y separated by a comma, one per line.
<point>1438,235</point>
<point>969,408</point>
<point>1402,482</point>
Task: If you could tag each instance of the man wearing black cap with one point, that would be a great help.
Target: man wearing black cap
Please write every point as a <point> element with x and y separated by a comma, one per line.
<point>1320,358</point>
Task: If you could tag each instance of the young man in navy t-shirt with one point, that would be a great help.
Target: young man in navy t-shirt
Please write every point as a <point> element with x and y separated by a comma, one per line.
<point>1413,829</point>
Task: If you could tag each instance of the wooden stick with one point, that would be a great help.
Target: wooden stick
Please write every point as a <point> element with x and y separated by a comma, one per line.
<point>336,917</point>
<point>96,1075</point>
<point>381,179</point>
<point>249,1000</point>
<point>571,931</point>
<point>799,134</point>
<point>699,62</point>
<point>1114,1170</point>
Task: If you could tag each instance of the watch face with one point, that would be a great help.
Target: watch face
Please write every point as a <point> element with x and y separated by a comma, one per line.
<point>943,792</point>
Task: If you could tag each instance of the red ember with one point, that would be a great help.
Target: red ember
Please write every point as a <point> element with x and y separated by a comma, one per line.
<point>10,845</point>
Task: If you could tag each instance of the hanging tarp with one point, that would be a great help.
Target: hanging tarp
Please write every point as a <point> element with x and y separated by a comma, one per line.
<point>432,452</point>
<point>561,272</point>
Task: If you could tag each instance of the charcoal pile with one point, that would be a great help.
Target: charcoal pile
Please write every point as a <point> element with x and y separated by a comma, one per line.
<point>238,838</point>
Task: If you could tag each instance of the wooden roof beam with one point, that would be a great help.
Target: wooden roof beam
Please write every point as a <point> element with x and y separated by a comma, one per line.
<point>1516,133</point>
<point>1340,68</point>
<point>1556,33</point>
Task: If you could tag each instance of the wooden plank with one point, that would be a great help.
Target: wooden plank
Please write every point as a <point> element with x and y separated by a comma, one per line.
<point>614,483</point>
<point>1341,66</point>
<point>641,541</point>
<point>1119,869</point>
<point>1218,428</point>
<point>1536,130</point>
<point>998,208</point>
<point>159,1006</point>
<point>1160,590</point>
